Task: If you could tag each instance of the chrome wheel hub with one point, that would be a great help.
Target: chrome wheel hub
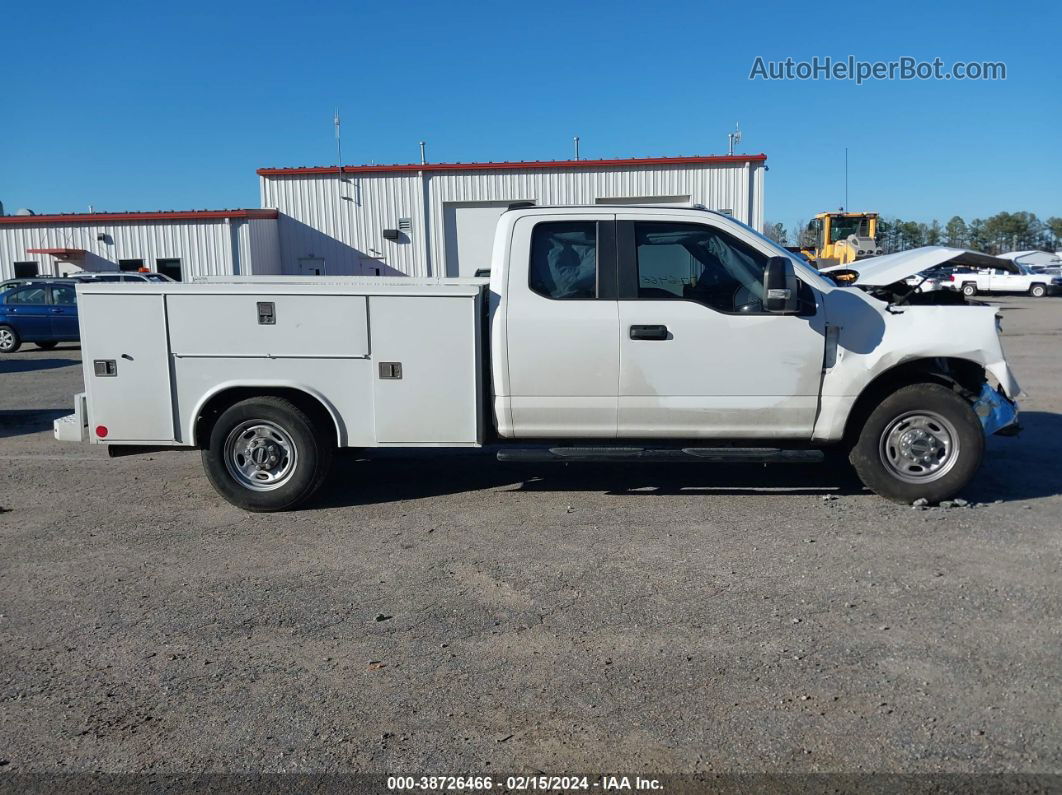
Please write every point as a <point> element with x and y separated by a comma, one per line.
<point>919,447</point>
<point>7,339</point>
<point>260,455</point>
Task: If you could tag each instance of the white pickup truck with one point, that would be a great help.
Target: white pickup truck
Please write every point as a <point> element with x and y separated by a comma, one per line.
<point>1018,279</point>
<point>605,333</point>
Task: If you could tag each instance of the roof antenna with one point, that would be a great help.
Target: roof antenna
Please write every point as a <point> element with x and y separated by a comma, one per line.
<point>734,138</point>
<point>576,141</point>
<point>845,208</point>
<point>339,143</point>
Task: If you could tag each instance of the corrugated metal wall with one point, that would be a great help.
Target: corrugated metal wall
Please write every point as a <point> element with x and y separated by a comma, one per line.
<point>343,221</point>
<point>204,247</point>
<point>259,248</point>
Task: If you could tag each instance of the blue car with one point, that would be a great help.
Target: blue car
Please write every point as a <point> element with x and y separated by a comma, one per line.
<point>44,313</point>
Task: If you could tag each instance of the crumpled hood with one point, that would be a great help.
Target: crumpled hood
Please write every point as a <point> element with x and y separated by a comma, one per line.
<point>892,268</point>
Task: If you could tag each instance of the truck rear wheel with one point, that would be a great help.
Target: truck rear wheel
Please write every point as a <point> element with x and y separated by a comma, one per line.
<point>266,454</point>
<point>922,442</point>
<point>969,289</point>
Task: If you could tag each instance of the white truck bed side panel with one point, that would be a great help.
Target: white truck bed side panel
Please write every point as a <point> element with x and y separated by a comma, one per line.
<point>344,386</point>
<point>305,325</point>
<point>436,340</point>
<point>129,329</point>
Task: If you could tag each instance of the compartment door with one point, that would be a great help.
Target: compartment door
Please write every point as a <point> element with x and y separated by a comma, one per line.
<point>426,376</point>
<point>128,330</point>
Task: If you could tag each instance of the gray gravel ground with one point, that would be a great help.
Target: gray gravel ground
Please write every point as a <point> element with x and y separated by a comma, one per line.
<point>452,614</point>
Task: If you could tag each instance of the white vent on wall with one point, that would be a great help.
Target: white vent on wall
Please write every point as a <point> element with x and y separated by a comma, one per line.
<point>405,224</point>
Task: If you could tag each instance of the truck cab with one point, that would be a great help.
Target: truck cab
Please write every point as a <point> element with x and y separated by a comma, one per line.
<point>648,323</point>
<point>602,333</point>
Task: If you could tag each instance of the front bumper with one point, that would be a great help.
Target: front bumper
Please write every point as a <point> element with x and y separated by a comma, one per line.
<point>997,412</point>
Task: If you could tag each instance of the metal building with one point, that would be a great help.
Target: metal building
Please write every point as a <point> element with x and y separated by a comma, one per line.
<point>428,219</point>
<point>182,245</point>
<point>435,219</point>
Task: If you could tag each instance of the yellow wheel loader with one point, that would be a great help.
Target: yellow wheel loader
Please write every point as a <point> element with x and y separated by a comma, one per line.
<point>842,238</point>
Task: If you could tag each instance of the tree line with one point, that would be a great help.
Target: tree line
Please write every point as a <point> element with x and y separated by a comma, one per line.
<point>996,235</point>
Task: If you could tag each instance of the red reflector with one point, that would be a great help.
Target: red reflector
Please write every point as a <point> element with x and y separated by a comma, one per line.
<point>101,431</point>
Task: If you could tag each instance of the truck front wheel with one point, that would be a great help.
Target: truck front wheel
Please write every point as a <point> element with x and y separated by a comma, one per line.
<point>1038,291</point>
<point>266,454</point>
<point>922,441</point>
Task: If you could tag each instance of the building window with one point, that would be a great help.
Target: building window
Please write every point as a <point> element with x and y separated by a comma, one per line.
<point>26,270</point>
<point>564,260</point>
<point>683,199</point>
<point>132,264</point>
<point>169,267</point>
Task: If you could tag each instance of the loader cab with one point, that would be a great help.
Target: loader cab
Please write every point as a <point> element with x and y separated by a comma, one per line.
<point>832,234</point>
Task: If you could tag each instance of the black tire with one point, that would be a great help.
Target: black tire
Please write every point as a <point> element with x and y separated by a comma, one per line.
<point>890,438</point>
<point>10,341</point>
<point>46,346</point>
<point>1038,290</point>
<point>969,289</point>
<point>304,451</point>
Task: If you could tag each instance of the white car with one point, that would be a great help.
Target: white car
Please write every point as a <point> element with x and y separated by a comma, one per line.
<point>925,282</point>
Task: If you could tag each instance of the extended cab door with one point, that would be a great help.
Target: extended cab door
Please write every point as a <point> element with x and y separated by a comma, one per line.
<point>561,327</point>
<point>699,357</point>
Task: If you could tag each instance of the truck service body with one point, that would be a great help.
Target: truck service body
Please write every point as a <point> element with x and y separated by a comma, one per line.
<point>604,332</point>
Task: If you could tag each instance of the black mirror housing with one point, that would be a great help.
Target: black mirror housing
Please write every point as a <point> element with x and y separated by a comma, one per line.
<point>780,288</point>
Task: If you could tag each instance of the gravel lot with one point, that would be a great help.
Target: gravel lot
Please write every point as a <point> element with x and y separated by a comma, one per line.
<point>454,615</point>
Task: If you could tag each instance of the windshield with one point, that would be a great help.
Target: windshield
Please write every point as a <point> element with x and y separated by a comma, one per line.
<point>780,251</point>
<point>841,227</point>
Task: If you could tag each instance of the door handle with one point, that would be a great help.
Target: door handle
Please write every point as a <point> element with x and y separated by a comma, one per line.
<point>649,333</point>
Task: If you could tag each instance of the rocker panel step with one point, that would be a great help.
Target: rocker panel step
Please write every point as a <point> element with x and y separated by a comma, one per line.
<point>713,455</point>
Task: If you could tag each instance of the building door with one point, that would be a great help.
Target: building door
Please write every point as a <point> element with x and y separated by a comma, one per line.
<point>311,266</point>
<point>469,233</point>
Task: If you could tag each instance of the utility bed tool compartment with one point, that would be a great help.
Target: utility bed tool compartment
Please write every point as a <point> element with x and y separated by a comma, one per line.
<point>426,369</point>
<point>126,366</point>
<point>268,324</point>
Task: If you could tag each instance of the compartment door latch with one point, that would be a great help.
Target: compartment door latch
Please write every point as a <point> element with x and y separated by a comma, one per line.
<point>391,370</point>
<point>267,313</point>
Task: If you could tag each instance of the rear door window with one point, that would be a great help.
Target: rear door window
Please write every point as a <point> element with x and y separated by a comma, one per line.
<point>564,260</point>
<point>64,294</point>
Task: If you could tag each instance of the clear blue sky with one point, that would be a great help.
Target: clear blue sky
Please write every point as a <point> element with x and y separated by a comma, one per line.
<point>158,106</point>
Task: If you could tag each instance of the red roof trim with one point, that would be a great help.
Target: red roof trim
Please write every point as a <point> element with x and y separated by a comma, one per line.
<point>516,165</point>
<point>180,215</point>
<point>63,253</point>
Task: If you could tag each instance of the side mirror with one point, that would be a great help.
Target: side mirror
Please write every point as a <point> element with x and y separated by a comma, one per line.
<point>780,287</point>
